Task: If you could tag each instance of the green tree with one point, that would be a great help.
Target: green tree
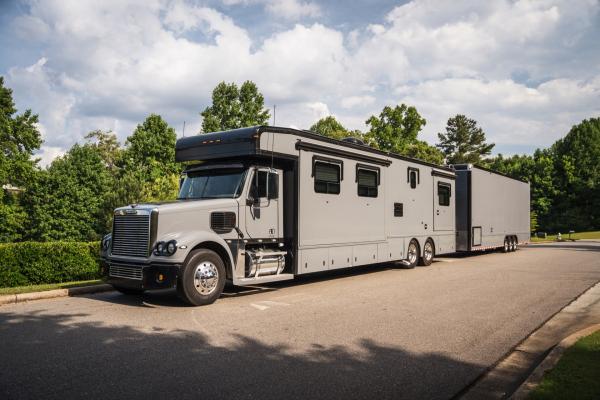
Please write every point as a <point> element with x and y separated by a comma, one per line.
<point>577,177</point>
<point>67,201</point>
<point>234,107</point>
<point>107,145</point>
<point>397,129</point>
<point>331,127</point>
<point>464,141</point>
<point>19,138</point>
<point>151,149</point>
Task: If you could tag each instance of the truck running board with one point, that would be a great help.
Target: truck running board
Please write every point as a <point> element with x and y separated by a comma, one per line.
<point>263,279</point>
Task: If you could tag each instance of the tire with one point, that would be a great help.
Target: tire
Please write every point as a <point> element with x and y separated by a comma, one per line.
<point>516,243</point>
<point>428,253</point>
<point>506,247</point>
<point>202,278</point>
<point>513,243</point>
<point>128,291</point>
<point>412,254</point>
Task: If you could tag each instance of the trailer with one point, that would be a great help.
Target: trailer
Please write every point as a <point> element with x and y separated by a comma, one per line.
<point>492,210</point>
<point>265,204</point>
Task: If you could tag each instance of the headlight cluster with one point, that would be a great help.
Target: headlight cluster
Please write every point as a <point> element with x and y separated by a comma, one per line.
<point>165,248</point>
<point>106,242</point>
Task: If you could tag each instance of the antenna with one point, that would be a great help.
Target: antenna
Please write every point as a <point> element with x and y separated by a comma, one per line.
<point>274,112</point>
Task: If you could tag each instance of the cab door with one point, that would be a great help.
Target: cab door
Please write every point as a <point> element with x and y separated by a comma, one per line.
<point>264,204</point>
<point>443,205</point>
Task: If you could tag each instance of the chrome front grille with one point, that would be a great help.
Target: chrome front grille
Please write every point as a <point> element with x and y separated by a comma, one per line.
<point>131,235</point>
<point>119,271</point>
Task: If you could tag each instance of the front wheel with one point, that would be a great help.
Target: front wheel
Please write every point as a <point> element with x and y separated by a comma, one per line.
<point>428,253</point>
<point>202,278</point>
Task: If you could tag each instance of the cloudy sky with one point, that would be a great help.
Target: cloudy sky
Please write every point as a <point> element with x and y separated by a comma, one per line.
<point>525,70</point>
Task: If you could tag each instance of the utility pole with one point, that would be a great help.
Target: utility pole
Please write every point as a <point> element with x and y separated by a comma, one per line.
<point>274,111</point>
<point>183,128</point>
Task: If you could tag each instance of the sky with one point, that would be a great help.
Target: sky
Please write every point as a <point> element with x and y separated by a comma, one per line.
<point>526,71</point>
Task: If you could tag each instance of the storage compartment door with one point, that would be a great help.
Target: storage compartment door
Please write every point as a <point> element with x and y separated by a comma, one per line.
<point>443,204</point>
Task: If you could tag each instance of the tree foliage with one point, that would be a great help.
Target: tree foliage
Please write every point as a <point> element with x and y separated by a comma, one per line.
<point>234,107</point>
<point>396,129</point>
<point>331,127</point>
<point>464,141</point>
<point>19,138</point>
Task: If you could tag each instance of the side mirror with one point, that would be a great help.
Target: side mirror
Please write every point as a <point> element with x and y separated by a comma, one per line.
<point>253,202</point>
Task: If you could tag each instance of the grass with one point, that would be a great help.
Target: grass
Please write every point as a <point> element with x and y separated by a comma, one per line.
<point>577,374</point>
<point>49,286</point>
<point>565,236</point>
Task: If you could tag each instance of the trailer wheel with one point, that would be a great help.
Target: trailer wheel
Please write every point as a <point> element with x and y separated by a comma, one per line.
<point>506,248</point>
<point>513,243</point>
<point>516,243</point>
<point>428,253</point>
<point>202,278</point>
<point>412,254</point>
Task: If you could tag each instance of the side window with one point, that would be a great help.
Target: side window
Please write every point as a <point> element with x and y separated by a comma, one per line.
<point>444,194</point>
<point>367,181</point>
<point>412,177</point>
<point>327,177</point>
<point>264,185</point>
<point>273,186</point>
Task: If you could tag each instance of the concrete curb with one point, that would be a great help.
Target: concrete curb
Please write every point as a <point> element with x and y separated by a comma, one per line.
<point>549,362</point>
<point>50,294</point>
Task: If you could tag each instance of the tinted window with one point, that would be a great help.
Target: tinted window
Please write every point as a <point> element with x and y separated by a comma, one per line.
<point>212,184</point>
<point>443,194</point>
<point>264,184</point>
<point>367,182</point>
<point>413,179</point>
<point>327,178</point>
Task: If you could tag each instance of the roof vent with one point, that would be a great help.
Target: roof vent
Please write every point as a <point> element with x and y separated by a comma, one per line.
<point>353,140</point>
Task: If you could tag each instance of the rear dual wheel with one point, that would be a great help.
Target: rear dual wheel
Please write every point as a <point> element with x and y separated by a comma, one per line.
<point>510,244</point>
<point>428,254</point>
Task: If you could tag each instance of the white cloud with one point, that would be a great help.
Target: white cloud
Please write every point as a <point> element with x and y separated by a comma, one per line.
<point>525,70</point>
<point>357,101</point>
<point>288,9</point>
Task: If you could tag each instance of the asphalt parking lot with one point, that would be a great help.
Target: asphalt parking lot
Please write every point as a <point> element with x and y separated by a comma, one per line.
<point>374,333</point>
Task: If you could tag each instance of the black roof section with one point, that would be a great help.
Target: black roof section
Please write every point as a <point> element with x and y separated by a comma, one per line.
<point>244,141</point>
<point>468,167</point>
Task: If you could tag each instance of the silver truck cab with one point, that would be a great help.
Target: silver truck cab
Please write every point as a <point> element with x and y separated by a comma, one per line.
<point>195,242</point>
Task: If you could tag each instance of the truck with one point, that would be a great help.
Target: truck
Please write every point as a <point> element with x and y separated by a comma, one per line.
<point>265,204</point>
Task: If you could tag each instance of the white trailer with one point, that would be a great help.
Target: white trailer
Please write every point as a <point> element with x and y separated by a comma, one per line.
<point>492,209</point>
<point>265,204</point>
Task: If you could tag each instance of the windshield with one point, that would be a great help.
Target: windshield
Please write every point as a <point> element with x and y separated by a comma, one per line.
<point>212,184</point>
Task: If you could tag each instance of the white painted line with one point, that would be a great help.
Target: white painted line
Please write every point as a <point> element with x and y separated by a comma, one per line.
<point>263,305</point>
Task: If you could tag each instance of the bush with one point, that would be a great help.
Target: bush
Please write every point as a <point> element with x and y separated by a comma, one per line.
<point>33,263</point>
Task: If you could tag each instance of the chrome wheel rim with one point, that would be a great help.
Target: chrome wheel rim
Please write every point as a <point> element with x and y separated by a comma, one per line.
<point>428,251</point>
<point>505,245</point>
<point>206,277</point>
<point>412,253</point>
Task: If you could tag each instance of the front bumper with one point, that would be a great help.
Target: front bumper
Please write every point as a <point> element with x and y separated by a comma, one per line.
<point>140,276</point>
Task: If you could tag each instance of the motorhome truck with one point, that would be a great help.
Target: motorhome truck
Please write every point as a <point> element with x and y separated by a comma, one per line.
<point>264,204</point>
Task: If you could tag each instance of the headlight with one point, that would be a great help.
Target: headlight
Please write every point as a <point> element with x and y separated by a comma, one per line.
<point>165,249</point>
<point>106,242</point>
<point>171,247</point>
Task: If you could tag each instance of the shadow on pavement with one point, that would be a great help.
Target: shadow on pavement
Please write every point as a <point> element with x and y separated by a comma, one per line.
<point>59,356</point>
<point>575,246</point>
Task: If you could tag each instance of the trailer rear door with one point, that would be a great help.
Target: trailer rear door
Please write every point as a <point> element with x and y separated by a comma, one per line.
<point>443,204</point>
